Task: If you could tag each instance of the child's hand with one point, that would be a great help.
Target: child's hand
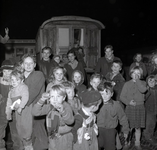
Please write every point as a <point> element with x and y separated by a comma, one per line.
<point>45,96</point>
<point>132,103</point>
<point>58,106</point>
<point>19,111</point>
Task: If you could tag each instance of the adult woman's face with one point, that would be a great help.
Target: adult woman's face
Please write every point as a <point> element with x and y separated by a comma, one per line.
<point>29,64</point>
<point>71,57</point>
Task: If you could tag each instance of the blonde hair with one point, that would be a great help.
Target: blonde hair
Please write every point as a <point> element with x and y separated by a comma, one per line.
<point>51,74</point>
<point>136,68</point>
<point>59,88</point>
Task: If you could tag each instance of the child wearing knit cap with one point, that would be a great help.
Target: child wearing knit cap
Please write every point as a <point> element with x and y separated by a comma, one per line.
<point>85,130</point>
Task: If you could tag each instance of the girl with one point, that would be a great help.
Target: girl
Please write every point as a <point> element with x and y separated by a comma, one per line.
<point>132,96</point>
<point>56,77</point>
<point>17,99</point>
<point>78,79</point>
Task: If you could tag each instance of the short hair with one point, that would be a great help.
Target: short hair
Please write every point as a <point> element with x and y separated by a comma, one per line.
<point>96,75</point>
<point>108,46</point>
<point>71,51</point>
<point>18,74</point>
<point>150,77</point>
<point>134,58</point>
<point>118,62</point>
<point>59,88</point>
<point>105,85</point>
<point>136,68</point>
<point>32,56</point>
<point>56,56</point>
<point>47,48</point>
<point>68,85</point>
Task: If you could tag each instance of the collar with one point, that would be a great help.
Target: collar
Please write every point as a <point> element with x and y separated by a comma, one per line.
<point>110,102</point>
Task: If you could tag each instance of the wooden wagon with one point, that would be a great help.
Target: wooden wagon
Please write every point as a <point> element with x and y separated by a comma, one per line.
<point>61,32</point>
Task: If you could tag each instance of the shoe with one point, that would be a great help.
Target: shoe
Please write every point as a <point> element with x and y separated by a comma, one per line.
<point>28,147</point>
<point>126,147</point>
<point>138,147</point>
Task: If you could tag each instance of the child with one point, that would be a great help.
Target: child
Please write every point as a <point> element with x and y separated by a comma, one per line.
<point>95,80</point>
<point>17,99</point>
<point>137,61</point>
<point>7,67</point>
<point>151,110</point>
<point>57,76</point>
<point>85,130</point>
<point>59,114</point>
<point>64,59</point>
<point>108,117</point>
<point>78,79</point>
<point>116,78</point>
<point>132,96</point>
<point>73,101</point>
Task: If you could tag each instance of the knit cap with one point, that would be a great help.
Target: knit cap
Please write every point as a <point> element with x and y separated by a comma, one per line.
<point>7,64</point>
<point>90,97</point>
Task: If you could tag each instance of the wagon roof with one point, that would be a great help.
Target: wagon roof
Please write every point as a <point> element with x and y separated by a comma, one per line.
<point>74,18</point>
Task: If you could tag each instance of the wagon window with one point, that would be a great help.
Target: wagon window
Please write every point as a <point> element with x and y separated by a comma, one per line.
<point>63,36</point>
<point>78,36</point>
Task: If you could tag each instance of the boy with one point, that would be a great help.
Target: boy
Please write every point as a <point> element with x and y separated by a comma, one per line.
<point>45,63</point>
<point>151,110</point>
<point>95,80</point>
<point>85,130</point>
<point>59,115</point>
<point>7,67</point>
<point>78,79</point>
<point>116,77</point>
<point>108,117</point>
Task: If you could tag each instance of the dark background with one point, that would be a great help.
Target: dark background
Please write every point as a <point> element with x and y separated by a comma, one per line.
<point>131,25</point>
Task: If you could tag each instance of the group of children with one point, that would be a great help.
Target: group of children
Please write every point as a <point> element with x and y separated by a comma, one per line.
<point>80,117</point>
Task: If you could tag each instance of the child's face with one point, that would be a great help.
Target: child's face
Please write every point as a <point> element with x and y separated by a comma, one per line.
<point>70,93</point>
<point>46,54</point>
<point>15,81</point>
<point>57,59</point>
<point>58,74</point>
<point>77,77</point>
<point>56,98</point>
<point>151,82</point>
<point>95,82</point>
<point>6,74</point>
<point>116,68</point>
<point>106,95</point>
<point>136,74</point>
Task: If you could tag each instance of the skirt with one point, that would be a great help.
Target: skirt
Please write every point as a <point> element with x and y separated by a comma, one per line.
<point>136,116</point>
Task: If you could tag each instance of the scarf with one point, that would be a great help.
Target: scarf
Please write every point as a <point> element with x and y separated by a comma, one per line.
<point>74,64</point>
<point>52,123</point>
